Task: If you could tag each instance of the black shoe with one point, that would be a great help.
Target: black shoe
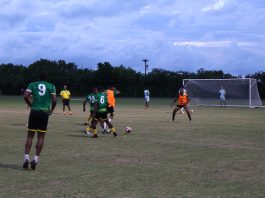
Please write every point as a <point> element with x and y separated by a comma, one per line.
<point>114,134</point>
<point>95,136</point>
<point>33,164</point>
<point>26,164</point>
<point>104,131</point>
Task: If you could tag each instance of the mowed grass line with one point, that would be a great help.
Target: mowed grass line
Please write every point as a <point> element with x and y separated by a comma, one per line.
<point>219,154</point>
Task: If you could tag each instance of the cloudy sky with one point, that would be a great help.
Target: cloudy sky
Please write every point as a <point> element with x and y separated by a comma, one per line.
<point>172,34</point>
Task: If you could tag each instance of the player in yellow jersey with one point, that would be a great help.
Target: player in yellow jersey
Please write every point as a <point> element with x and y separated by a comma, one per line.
<point>65,94</point>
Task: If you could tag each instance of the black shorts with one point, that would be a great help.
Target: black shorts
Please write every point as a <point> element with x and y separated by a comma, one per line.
<point>180,106</point>
<point>66,102</point>
<point>38,121</point>
<point>101,115</point>
<point>110,109</point>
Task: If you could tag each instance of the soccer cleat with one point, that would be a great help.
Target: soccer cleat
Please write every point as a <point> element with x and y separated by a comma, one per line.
<point>26,164</point>
<point>108,131</point>
<point>70,113</point>
<point>33,164</point>
<point>95,136</point>
<point>114,134</point>
<point>87,132</point>
<point>104,131</point>
<point>64,113</point>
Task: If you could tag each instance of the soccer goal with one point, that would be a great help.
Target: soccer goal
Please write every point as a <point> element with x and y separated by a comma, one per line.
<point>239,92</point>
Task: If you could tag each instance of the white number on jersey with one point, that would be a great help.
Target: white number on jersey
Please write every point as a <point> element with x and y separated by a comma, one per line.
<point>102,99</point>
<point>42,89</point>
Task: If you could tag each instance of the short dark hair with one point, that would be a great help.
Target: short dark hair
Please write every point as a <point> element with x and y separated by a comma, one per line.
<point>43,76</point>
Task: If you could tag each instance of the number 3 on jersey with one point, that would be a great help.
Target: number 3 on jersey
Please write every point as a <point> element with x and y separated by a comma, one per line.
<point>42,89</point>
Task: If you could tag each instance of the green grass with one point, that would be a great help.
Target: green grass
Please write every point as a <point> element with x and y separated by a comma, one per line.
<point>220,154</point>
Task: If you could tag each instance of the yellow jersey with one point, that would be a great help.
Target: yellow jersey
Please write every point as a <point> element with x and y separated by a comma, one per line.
<point>65,94</point>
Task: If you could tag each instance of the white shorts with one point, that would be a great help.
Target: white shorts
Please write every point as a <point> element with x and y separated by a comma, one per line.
<point>147,98</point>
<point>222,98</point>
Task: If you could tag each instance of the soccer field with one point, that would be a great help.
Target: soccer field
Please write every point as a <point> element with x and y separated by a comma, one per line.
<point>220,154</point>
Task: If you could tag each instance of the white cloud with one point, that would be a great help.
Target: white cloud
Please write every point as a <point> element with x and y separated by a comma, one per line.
<point>218,4</point>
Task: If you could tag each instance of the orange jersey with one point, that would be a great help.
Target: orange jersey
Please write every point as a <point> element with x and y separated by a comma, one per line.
<point>111,98</point>
<point>183,100</point>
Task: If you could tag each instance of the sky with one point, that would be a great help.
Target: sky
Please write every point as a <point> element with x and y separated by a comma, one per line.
<point>174,35</point>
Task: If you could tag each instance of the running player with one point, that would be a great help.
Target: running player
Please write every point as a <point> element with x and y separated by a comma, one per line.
<point>183,100</point>
<point>100,113</point>
<point>41,97</point>
<point>65,94</point>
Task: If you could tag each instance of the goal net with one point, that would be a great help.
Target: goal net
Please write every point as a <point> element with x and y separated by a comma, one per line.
<point>239,92</point>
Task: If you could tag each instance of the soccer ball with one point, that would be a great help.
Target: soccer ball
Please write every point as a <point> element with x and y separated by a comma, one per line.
<point>128,129</point>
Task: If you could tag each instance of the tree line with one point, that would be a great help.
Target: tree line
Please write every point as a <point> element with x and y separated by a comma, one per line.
<point>162,83</point>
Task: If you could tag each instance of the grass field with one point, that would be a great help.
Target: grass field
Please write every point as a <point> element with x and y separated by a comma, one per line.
<point>220,154</point>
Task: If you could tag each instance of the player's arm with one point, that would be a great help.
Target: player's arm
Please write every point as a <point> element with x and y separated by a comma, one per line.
<point>54,102</point>
<point>84,106</point>
<point>174,102</point>
<point>28,98</point>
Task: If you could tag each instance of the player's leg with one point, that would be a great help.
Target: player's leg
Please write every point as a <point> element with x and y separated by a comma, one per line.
<point>69,107</point>
<point>110,125</point>
<point>174,113</point>
<point>42,123</point>
<point>28,145</point>
<point>64,106</point>
<point>32,126</point>
<point>186,107</point>
<point>94,125</point>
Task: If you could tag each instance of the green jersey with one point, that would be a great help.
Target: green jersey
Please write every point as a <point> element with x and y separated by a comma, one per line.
<point>102,102</point>
<point>91,99</point>
<point>41,93</point>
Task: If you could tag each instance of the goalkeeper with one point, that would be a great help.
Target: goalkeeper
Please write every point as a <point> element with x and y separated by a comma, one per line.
<point>183,100</point>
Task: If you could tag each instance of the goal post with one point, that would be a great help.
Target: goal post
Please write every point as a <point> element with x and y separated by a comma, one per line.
<point>239,92</point>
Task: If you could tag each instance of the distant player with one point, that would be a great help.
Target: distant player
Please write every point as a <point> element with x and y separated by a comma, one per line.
<point>65,94</point>
<point>182,102</point>
<point>100,113</point>
<point>41,97</point>
<point>222,94</point>
<point>146,98</point>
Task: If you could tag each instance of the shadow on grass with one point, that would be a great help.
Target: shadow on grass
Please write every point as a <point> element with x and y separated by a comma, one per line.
<point>80,136</point>
<point>18,124</point>
<point>11,166</point>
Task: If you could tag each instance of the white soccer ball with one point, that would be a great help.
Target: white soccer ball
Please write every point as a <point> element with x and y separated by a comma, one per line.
<point>191,110</point>
<point>128,129</point>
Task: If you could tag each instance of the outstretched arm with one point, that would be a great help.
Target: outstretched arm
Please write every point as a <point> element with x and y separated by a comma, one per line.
<point>84,106</point>
<point>173,102</point>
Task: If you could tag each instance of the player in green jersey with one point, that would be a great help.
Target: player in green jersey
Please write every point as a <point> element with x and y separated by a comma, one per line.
<point>101,113</point>
<point>41,97</point>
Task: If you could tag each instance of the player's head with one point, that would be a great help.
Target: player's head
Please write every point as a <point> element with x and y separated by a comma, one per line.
<point>43,76</point>
<point>222,87</point>
<point>95,90</point>
<point>182,91</point>
<point>100,88</point>
<point>65,87</point>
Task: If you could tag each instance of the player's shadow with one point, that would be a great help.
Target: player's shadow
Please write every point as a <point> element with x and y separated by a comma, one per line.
<point>18,124</point>
<point>11,166</point>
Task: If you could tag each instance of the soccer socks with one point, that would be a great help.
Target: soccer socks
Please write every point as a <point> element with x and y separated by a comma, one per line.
<point>36,158</point>
<point>95,131</point>
<point>26,157</point>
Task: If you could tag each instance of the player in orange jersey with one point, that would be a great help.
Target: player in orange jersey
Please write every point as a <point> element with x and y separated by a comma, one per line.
<point>183,100</point>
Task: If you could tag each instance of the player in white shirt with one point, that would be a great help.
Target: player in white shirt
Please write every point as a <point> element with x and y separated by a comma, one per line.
<point>222,94</point>
<point>146,98</point>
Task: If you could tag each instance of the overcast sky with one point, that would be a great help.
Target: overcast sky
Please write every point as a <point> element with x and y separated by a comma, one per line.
<point>226,35</point>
